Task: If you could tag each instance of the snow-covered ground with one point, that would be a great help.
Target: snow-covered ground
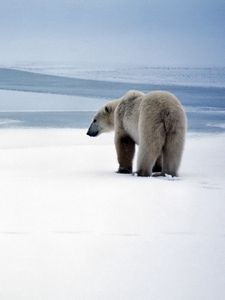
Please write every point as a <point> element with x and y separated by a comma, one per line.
<point>71,228</point>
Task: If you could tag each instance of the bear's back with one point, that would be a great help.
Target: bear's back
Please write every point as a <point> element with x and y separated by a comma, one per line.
<point>162,99</point>
<point>163,106</point>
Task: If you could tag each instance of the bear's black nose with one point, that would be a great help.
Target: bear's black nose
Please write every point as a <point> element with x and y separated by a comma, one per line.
<point>92,133</point>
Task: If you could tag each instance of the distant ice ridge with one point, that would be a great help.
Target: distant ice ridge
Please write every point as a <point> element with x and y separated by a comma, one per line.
<point>205,109</point>
<point>8,122</point>
<point>210,77</point>
<point>217,125</point>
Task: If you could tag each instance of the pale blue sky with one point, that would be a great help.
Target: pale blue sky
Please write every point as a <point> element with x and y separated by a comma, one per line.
<point>147,32</point>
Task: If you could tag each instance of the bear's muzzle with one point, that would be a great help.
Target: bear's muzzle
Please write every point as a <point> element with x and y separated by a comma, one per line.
<point>93,130</point>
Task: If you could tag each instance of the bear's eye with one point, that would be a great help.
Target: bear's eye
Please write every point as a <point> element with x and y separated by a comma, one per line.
<point>94,121</point>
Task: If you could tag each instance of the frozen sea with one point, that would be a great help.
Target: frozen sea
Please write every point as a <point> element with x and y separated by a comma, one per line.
<point>46,96</point>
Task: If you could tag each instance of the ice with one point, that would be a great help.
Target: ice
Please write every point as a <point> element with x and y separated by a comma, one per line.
<point>19,101</point>
<point>186,76</point>
<point>40,100</point>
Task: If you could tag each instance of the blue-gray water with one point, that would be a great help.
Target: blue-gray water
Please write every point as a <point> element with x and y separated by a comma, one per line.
<point>205,105</point>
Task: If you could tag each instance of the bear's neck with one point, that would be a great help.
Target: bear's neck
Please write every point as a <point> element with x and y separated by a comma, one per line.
<point>113,106</point>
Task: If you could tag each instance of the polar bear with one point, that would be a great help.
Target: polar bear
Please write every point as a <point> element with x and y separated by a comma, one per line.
<point>155,121</point>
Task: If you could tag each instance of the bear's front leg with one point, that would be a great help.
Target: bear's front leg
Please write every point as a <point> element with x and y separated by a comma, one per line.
<point>125,148</point>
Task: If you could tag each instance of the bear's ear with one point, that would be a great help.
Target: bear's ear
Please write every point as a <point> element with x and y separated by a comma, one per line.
<point>108,109</point>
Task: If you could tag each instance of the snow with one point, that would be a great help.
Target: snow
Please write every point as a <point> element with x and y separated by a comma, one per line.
<point>71,228</point>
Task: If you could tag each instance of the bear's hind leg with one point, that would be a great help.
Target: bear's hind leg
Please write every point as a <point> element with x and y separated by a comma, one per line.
<point>158,165</point>
<point>152,139</point>
<point>125,148</point>
<point>172,153</point>
<point>147,157</point>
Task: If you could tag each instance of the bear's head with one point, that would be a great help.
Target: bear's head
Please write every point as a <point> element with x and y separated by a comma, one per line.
<point>103,121</point>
